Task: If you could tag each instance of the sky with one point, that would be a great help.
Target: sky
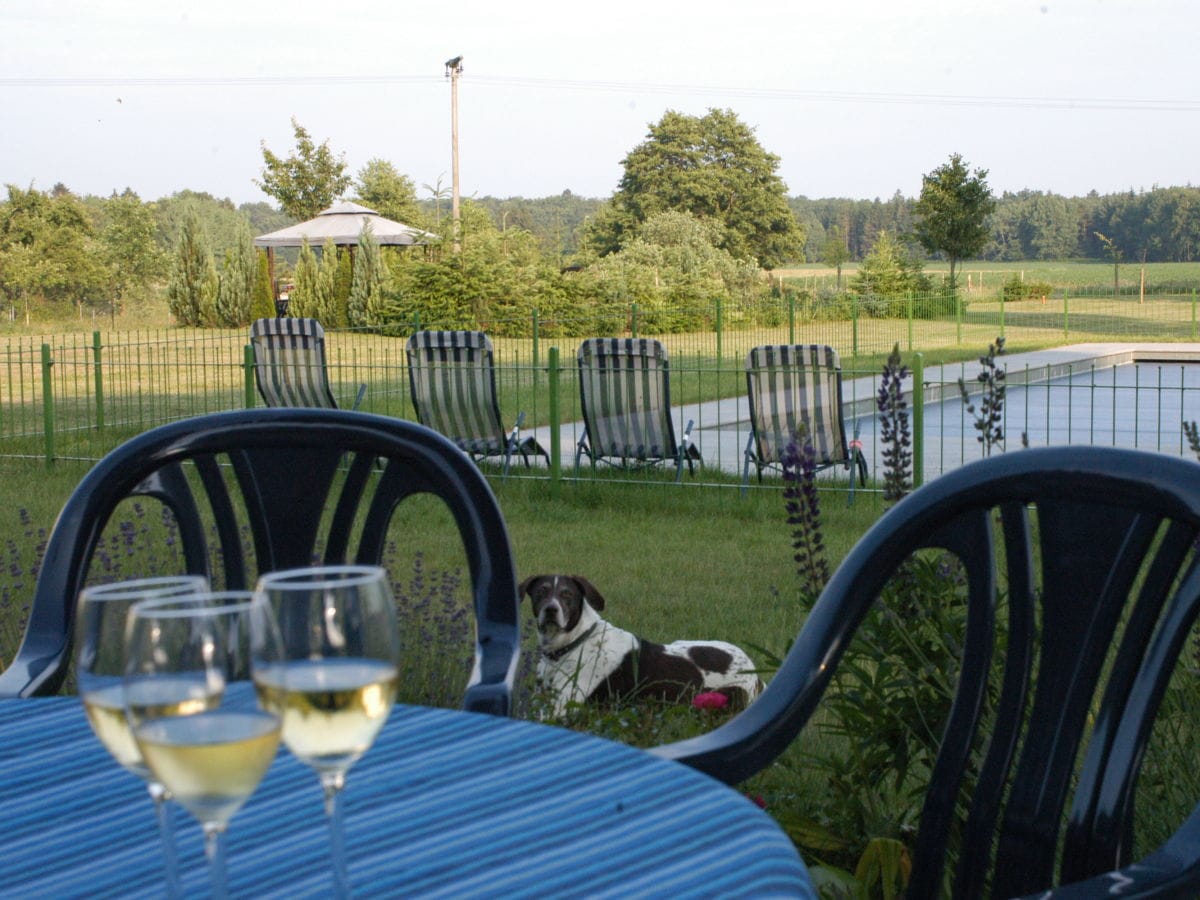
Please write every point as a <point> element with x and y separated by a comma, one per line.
<point>858,98</point>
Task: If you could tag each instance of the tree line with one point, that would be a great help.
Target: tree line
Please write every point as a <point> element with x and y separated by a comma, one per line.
<point>699,215</point>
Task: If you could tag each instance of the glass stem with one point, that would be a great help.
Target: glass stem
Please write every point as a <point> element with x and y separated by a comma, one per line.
<point>332,784</point>
<point>214,849</point>
<point>166,831</point>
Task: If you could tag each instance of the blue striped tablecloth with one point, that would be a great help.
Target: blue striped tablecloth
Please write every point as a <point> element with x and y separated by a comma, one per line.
<point>446,804</point>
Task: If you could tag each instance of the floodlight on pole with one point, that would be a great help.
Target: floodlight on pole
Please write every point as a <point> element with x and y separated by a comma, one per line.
<point>453,70</point>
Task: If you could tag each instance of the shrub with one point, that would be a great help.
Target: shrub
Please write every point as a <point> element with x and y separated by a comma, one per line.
<point>1015,289</point>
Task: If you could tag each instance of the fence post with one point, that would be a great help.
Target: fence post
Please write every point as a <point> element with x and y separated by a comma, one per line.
<point>99,380</point>
<point>719,330</point>
<point>534,315</point>
<point>908,304</point>
<point>918,419</point>
<point>47,403</point>
<point>1002,302</point>
<point>791,298</point>
<point>1193,314</point>
<point>248,375</point>
<point>1066,318</point>
<point>555,420</point>
<point>416,322</point>
<point>958,309</point>
<point>633,320</point>
<point>853,325</point>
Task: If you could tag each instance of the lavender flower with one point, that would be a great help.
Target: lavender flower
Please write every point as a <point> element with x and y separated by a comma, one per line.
<point>894,431</point>
<point>804,515</point>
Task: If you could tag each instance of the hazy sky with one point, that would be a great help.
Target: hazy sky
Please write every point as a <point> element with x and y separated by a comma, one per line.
<point>858,98</point>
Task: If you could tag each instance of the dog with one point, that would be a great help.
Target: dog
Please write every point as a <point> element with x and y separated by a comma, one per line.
<point>583,658</point>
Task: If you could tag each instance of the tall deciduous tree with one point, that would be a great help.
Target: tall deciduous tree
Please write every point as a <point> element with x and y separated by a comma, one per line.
<point>384,189</point>
<point>714,168</point>
<point>130,248</point>
<point>835,252</point>
<point>306,182</point>
<point>952,211</point>
<point>192,290</point>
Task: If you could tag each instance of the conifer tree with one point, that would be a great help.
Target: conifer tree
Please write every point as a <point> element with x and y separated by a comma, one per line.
<point>341,288</point>
<point>192,288</point>
<point>368,282</point>
<point>306,289</point>
<point>263,305</point>
<point>326,306</point>
<point>235,290</point>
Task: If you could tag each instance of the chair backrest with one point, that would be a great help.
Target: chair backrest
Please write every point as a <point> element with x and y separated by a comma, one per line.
<point>1083,584</point>
<point>453,380</point>
<point>297,481</point>
<point>793,389</point>
<point>625,395</point>
<point>289,357</point>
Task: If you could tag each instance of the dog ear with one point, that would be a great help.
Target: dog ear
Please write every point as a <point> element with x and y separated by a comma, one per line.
<point>593,596</point>
<point>523,587</point>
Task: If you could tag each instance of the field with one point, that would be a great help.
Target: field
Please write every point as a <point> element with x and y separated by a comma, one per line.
<point>984,279</point>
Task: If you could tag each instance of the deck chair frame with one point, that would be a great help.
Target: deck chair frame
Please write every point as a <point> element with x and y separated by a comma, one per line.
<point>794,390</point>
<point>625,396</point>
<point>452,376</point>
<point>289,364</point>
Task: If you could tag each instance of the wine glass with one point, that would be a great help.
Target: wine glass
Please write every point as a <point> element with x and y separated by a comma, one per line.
<point>338,677</point>
<point>99,669</point>
<point>192,708</point>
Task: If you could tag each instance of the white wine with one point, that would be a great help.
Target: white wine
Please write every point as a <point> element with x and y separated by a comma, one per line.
<point>331,708</point>
<point>152,698</point>
<point>105,710</point>
<point>211,762</point>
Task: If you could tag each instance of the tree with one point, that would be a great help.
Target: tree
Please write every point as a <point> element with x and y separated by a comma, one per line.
<point>368,282</point>
<point>49,249</point>
<point>306,182</point>
<point>888,271</point>
<point>391,194</point>
<point>714,168</point>
<point>1115,252</point>
<point>235,285</point>
<point>303,300</point>
<point>263,304</point>
<point>952,212</point>
<point>834,251</point>
<point>130,250</point>
<point>192,289</point>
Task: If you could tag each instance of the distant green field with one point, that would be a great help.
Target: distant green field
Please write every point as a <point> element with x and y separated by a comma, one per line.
<point>986,278</point>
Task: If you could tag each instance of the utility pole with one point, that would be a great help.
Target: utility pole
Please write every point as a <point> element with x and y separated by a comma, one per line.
<point>453,70</point>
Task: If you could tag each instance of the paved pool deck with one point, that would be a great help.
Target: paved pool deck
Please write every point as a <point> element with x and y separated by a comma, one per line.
<point>722,427</point>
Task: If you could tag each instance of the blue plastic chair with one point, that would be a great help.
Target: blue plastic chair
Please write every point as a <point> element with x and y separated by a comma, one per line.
<point>1102,589</point>
<point>297,480</point>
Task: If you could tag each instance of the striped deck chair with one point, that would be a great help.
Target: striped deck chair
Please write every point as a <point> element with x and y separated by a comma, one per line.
<point>289,364</point>
<point>453,380</point>
<point>796,389</point>
<point>624,391</point>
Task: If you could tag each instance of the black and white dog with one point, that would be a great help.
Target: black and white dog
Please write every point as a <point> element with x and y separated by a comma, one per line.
<point>584,658</point>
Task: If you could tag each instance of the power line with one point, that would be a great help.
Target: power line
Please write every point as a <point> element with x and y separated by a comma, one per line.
<point>1112,104</point>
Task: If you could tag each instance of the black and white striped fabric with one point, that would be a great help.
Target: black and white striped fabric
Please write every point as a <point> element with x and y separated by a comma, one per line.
<point>445,804</point>
<point>453,379</point>
<point>289,363</point>
<point>795,394</point>
<point>625,395</point>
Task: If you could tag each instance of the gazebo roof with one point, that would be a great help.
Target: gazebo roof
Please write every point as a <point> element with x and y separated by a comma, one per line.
<point>343,222</point>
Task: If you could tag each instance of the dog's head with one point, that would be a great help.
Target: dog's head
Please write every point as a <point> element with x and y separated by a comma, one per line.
<point>559,602</point>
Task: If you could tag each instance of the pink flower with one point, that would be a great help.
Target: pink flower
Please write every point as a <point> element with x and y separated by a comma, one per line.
<point>710,700</point>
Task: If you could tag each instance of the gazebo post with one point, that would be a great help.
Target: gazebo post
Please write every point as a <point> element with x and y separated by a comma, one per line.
<point>271,273</point>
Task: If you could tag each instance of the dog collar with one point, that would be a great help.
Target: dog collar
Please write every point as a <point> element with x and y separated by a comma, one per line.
<point>555,655</point>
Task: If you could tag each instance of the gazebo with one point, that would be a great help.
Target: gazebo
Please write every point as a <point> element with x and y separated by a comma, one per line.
<point>343,223</point>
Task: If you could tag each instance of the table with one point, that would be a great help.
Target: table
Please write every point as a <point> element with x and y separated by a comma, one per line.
<point>446,804</point>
